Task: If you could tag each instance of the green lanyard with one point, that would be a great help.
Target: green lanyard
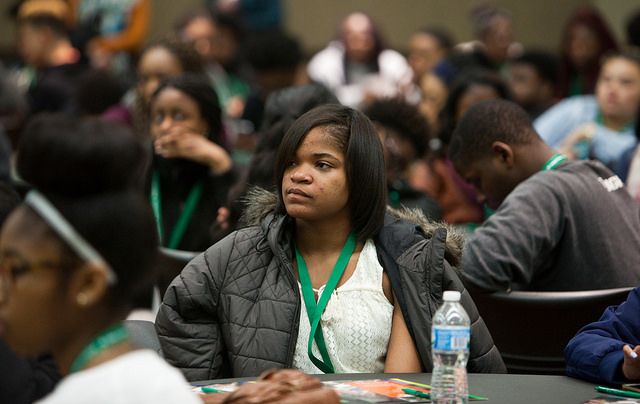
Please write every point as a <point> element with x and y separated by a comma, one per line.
<point>185,216</point>
<point>554,162</point>
<point>108,338</point>
<point>314,312</point>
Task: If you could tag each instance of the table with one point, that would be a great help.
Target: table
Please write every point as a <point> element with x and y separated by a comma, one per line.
<point>501,389</point>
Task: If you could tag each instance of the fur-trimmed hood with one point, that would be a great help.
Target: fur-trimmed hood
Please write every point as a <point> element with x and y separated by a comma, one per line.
<point>258,203</point>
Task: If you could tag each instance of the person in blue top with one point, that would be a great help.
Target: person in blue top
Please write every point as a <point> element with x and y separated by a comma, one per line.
<point>608,350</point>
<point>599,126</point>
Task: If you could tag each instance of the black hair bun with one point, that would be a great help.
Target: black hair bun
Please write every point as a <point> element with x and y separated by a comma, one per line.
<point>75,156</point>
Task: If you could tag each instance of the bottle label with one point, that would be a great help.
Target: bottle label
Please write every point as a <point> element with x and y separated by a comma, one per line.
<point>450,338</point>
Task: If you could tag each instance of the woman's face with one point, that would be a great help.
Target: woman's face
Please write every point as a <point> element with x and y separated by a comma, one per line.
<point>434,96</point>
<point>475,94</point>
<point>359,41</point>
<point>618,88</point>
<point>314,185</point>
<point>156,64</point>
<point>173,111</point>
<point>33,298</point>
<point>584,46</point>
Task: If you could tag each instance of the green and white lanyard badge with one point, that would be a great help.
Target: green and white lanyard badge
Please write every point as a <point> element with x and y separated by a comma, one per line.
<point>314,311</point>
<point>554,162</point>
<point>185,216</point>
<point>110,337</point>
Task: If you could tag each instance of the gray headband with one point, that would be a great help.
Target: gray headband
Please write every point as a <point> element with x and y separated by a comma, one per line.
<point>64,229</point>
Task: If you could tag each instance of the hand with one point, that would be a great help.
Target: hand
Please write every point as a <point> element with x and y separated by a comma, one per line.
<point>99,56</point>
<point>188,144</point>
<point>296,379</point>
<point>580,134</point>
<point>631,365</point>
<point>222,219</point>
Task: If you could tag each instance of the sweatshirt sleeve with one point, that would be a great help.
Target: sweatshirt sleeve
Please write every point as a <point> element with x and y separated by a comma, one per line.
<point>595,353</point>
<point>514,243</point>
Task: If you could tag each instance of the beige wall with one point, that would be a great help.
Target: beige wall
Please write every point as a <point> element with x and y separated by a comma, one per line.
<point>538,23</point>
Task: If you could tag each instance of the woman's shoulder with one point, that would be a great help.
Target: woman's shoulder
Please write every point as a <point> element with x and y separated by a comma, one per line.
<point>138,376</point>
<point>405,228</point>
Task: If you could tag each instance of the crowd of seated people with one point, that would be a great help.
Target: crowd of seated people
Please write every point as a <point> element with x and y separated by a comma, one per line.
<point>329,198</point>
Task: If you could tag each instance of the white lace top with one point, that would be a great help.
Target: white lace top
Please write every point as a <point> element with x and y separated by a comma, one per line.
<point>356,322</point>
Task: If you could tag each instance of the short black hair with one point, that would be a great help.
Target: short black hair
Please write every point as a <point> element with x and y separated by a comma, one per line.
<point>444,38</point>
<point>404,118</point>
<point>488,122</point>
<point>199,89</point>
<point>273,50</point>
<point>545,64</point>
<point>632,29</point>
<point>97,90</point>
<point>282,108</point>
<point>468,79</point>
<point>189,59</point>
<point>363,156</point>
<point>85,167</point>
<point>47,21</point>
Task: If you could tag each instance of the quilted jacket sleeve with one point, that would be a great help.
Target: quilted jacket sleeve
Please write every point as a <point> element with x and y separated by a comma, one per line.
<point>484,356</point>
<point>187,321</point>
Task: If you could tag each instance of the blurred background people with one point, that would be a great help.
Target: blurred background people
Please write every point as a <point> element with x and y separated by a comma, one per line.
<point>111,32</point>
<point>458,200</point>
<point>585,40</point>
<point>191,172</point>
<point>52,64</point>
<point>405,135</point>
<point>600,126</point>
<point>358,65</point>
<point>532,78</point>
<point>218,39</point>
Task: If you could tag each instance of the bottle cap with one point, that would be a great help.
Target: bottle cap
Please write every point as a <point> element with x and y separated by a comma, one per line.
<point>451,296</point>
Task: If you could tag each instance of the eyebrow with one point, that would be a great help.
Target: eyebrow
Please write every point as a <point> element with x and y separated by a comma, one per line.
<point>324,155</point>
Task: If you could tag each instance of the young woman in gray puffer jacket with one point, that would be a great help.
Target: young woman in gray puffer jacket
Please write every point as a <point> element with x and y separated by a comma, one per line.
<point>325,279</point>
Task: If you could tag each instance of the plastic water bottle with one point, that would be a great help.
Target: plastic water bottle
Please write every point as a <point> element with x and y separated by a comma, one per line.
<point>450,338</point>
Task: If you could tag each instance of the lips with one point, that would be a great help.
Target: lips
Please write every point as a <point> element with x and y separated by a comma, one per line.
<point>297,192</point>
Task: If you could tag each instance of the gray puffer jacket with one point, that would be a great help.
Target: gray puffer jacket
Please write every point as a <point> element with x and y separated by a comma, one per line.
<point>234,310</point>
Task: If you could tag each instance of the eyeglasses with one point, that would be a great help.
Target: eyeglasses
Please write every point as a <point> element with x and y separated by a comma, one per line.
<point>12,267</point>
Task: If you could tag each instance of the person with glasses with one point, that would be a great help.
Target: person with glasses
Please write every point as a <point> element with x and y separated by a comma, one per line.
<point>72,257</point>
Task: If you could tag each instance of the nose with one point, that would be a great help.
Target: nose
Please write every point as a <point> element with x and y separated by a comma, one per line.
<point>165,124</point>
<point>299,174</point>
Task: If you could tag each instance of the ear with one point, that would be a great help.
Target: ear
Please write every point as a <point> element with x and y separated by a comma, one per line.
<point>88,285</point>
<point>503,152</point>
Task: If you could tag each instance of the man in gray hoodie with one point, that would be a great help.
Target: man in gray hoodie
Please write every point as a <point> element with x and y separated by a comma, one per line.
<point>559,225</point>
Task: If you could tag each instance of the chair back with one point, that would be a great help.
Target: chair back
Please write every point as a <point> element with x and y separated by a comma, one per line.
<point>531,329</point>
<point>143,334</point>
<point>170,264</point>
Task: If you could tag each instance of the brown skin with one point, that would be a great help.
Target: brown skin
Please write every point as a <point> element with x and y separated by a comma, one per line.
<point>40,47</point>
<point>48,308</point>
<point>528,88</point>
<point>278,385</point>
<point>503,168</point>
<point>155,65</point>
<point>179,131</point>
<point>425,53</point>
<point>316,195</point>
<point>618,92</point>
<point>630,365</point>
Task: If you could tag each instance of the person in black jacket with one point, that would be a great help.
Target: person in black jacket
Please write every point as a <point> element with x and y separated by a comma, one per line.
<point>22,381</point>
<point>191,172</point>
<point>238,309</point>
